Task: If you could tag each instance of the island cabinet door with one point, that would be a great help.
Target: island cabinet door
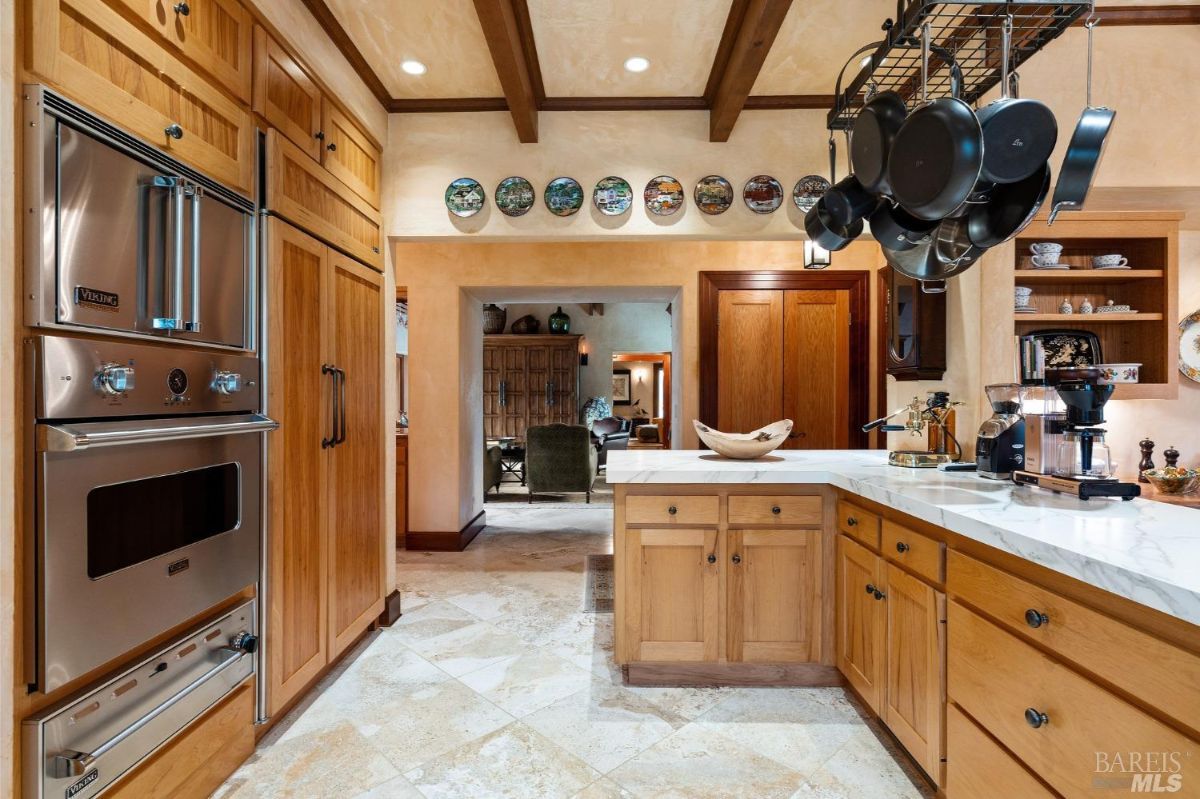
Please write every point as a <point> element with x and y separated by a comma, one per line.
<point>672,592</point>
<point>915,685</point>
<point>774,596</point>
<point>861,620</point>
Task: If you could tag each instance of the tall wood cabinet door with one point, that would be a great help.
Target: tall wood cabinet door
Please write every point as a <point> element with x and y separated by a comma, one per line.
<point>215,34</point>
<point>861,621</point>
<point>915,687</point>
<point>94,55</point>
<point>816,353</point>
<point>299,398</point>
<point>349,154</point>
<point>516,395</point>
<point>774,593</point>
<point>537,384</point>
<point>285,95</point>
<point>671,589</point>
<point>493,374</point>
<point>357,544</point>
<point>749,359</point>
<point>564,363</point>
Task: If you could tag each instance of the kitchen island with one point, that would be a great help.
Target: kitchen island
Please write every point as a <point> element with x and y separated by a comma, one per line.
<point>1004,634</point>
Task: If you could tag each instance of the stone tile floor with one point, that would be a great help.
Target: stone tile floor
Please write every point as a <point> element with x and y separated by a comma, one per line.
<point>495,683</point>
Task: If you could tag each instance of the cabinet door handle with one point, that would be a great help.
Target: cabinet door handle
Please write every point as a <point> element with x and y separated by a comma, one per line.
<point>712,558</point>
<point>503,394</point>
<point>319,135</point>
<point>775,509</point>
<point>870,588</point>
<point>851,521</point>
<point>182,9</point>
<point>331,147</point>
<point>330,369</point>
<point>174,131</point>
<point>672,510</point>
<point>902,547</point>
<point>1035,618</point>
<point>736,558</point>
<point>879,595</point>
<point>1036,718</point>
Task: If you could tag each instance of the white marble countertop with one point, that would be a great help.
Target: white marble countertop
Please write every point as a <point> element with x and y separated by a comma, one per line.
<point>1145,551</point>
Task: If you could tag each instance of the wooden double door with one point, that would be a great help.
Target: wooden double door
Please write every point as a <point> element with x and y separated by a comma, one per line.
<point>529,380</point>
<point>327,541</point>
<point>788,353</point>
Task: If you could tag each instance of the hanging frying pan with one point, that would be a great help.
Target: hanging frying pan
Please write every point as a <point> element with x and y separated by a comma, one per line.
<point>1010,207</point>
<point>897,229</point>
<point>1018,135</point>
<point>938,152</point>
<point>1086,148</point>
<point>874,130</point>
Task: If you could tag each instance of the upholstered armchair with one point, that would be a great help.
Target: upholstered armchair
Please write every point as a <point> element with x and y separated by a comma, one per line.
<point>492,471</point>
<point>559,459</point>
<point>609,434</point>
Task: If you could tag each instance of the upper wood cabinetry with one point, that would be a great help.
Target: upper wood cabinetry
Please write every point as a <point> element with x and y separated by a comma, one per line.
<point>95,56</point>
<point>215,34</point>
<point>349,155</point>
<point>299,190</point>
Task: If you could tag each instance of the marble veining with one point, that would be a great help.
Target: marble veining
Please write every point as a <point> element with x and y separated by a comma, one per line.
<point>1145,551</point>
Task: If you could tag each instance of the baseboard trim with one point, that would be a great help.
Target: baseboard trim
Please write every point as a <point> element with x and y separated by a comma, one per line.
<point>446,541</point>
<point>391,610</point>
<point>803,675</point>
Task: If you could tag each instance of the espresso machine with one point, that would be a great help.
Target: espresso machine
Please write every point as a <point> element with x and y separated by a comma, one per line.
<point>1000,443</point>
<point>932,420</point>
<point>1072,456</point>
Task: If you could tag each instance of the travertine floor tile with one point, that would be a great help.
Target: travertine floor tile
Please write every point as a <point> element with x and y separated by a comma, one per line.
<point>528,682</point>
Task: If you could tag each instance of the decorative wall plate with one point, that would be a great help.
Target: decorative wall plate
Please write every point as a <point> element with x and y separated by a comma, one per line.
<point>464,197</point>
<point>713,195</point>
<point>514,196</point>
<point>663,195</point>
<point>763,194</point>
<point>563,196</point>
<point>1189,346</point>
<point>612,196</point>
<point>808,190</point>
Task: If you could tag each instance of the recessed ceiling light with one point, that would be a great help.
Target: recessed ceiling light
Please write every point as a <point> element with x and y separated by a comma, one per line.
<point>637,64</point>
<point>413,67</point>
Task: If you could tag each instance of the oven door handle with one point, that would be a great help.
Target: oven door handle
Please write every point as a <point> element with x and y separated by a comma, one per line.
<point>70,763</point>
<point>75,437</point>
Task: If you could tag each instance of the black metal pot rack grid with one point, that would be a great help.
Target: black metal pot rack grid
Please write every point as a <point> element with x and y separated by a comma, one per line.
<point>970,31</point>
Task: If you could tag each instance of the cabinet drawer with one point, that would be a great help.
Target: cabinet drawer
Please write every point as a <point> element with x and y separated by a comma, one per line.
<point>918,553</point>
<point>979,768</point>
<point>99,58</point>
<point>1144,666</point>
<point>642,509</point>
<point>858,523</point>
<point>1005,683</point>
<point>785,510</point>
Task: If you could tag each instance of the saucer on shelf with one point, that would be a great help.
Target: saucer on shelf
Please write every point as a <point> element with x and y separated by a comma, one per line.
<point>1111,268</point>
<point>1024,309</point>
<point>1048,268</point>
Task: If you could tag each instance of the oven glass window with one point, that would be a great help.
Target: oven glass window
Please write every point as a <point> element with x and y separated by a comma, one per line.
<point>128,523</point>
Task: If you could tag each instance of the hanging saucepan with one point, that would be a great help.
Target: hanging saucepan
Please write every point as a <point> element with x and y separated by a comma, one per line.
<point>937,155</point>
<point>944,254</point>
<point>826,232</point>
<point>952,243</point>
<point>874,130</point>
<point>920,263</point>
<point>849,200</point>
<point>1018,135</point>
<point>1086,148</point>
<point>1010,207</point>
<point>897,229</point>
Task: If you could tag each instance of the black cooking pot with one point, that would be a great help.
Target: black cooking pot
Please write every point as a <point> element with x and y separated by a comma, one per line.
<point>875,129</point>
<point>1009,209</point>
<point>896,229</point>
<point>848,200</point>
<point>828,233</point>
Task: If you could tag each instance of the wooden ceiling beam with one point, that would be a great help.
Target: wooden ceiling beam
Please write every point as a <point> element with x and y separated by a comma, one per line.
<point>334,30</point>
<point>1111,16</point>
<point>760,23</point>
<point>513,56</point>
<point>446,105</point>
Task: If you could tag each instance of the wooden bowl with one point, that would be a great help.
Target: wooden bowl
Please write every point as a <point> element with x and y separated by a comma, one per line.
<point>744,446</point>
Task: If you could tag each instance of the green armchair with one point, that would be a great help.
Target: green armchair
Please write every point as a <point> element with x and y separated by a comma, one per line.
<point>559,459</point>
<point>492,470</point>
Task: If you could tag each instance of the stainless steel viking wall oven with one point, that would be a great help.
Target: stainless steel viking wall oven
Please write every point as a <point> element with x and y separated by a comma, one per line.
<point>122,240</point>
<point>148,470</point>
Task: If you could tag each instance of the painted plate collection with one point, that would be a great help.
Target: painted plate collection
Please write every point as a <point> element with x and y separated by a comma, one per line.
<point>1189,346</point>
<point>613,196</point>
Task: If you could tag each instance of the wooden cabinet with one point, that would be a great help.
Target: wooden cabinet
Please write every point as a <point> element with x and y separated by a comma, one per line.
<point>859,524</point>
<point>529,380</point>
<point>861,621</point>
<point>90,52</point>
<point>325,484</point>
<point>672,594</point>
<point>303,193</point>
<point>349,155</point>
<point>774,595</point>
<point>401,489</point>
<point>216,35</point>
<point>914,339</point>
<point>979,768</point>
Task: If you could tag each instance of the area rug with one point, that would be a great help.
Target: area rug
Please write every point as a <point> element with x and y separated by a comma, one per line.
<point>598,596</point>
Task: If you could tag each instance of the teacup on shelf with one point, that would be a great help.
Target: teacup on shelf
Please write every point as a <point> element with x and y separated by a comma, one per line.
<point>1046,248</point>
<point>1109,261</point>
<point>1045,260</point>
<point>1021,295</point>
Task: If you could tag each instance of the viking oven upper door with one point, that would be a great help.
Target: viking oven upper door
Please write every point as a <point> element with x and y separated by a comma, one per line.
<point>141,526</point>
<point>141,250</point>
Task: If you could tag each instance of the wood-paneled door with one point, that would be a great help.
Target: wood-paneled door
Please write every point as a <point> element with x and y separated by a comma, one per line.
<point>564,366</point>
<point>357,551</point>
<point>861,620</point>
<point>299,399</point>
<point>516,395</point>
<point>672,587</point>
<point>915,685</point>
<point>774,596</point>
<point>791,345</point>
<point>537,384</point>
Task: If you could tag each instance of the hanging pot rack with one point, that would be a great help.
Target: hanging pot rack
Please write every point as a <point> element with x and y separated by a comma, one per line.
<point>970,31</point>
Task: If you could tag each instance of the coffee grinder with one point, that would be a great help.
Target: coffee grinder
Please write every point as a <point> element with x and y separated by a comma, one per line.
<point>1081,465</point>
<point>1000,443</point>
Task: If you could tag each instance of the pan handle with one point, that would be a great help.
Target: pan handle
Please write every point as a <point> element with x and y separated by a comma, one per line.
<point>933,287</point>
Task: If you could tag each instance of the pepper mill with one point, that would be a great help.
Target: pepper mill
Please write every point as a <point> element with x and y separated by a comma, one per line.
<point>1147,448</point>
<point>1171,455</point>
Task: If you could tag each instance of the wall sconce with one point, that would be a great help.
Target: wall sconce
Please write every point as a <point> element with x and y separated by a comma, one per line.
<point>583,353</point>
<point>815,256</point>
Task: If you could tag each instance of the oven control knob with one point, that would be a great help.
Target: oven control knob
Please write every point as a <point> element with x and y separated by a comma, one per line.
<point>113,378</point>
<point>227,382</point>
<point>245,642</point>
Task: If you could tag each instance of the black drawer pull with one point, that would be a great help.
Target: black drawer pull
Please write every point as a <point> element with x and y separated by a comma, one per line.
<point>672,510</point>
<point>1036,718</point>
<point>712,558</point>
<point>1035,618</point>
<point>902,547</point>
<point>776,510</point>
<point>737,558</point>
<point>851,521</point>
